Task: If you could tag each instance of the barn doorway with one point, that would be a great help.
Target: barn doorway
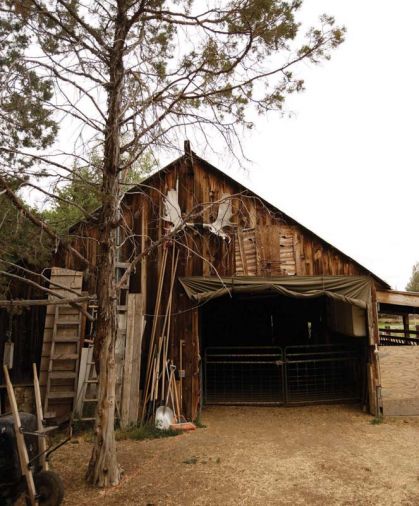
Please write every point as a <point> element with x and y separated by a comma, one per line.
<point>278,350</point>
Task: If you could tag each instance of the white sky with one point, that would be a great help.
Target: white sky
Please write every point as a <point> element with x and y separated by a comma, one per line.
<point>346,164</point>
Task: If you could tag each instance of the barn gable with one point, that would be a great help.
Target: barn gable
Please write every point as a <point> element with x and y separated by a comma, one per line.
<point>264,241</point>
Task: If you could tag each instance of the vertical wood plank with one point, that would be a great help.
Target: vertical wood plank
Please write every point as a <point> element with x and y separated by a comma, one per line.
<point>137,329</point>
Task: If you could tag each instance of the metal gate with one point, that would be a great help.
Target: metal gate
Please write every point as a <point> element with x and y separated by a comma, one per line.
<point>275,375</point>
<point>248,375</point>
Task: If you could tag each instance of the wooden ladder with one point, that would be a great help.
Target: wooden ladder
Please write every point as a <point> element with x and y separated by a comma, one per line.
<point>86,392</point>
<point>63,365</point>
<point>87,388</point>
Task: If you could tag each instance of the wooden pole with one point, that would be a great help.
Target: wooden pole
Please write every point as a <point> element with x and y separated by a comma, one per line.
<point>151,351</point>
<point>181,371</point>
<point>168,316</point>
<point>40,418</point>
<point>20,440</point>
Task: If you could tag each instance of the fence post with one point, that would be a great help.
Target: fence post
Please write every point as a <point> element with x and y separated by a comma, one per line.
<point>406,326</point>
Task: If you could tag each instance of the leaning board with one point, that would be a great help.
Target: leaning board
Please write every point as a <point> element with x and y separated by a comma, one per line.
<point>399,367</point>
<point>72,280</point>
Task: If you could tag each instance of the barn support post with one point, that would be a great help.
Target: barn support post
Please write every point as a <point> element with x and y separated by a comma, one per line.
<point>374,384</point>
<point>196,361</point>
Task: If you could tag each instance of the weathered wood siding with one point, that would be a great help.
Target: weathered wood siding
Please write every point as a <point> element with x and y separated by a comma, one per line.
<point>263,242</point>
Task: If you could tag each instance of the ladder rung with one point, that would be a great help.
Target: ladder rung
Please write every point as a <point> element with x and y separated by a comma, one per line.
<point>90,400</point>
<point>67,322</point>
<point>60,395</point>
<point>62,374</point>
<point>122,265</point>
<point>91,381</point>
<point>69,356</point>
<point>86,419</point>
<point>67,339</point>
<point>59,339</point>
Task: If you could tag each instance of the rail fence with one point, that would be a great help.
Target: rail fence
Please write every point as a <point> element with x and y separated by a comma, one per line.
<point>399,337</point>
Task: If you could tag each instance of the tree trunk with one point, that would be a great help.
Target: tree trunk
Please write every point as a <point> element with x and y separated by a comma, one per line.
<point>103,469</point>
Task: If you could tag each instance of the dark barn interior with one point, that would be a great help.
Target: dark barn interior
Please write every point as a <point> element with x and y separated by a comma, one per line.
<point>273,349</point>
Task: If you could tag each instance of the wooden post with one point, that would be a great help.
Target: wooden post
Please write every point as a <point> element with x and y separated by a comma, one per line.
<point>374,381</point>
<point>406,326</point>
<point>242,252</point>
<point>20,440</point>
<point>181,371</point>
<point>138,332</point>
<point>127,372</point>
<point>40,418</point>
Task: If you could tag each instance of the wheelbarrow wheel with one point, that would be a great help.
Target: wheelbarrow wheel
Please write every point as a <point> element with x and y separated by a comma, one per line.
<point>49,488</point>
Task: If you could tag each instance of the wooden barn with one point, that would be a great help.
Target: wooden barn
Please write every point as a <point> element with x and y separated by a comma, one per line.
<point>239,301</point>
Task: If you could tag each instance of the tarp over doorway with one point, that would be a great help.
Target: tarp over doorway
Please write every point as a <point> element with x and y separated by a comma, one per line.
<point>355,290</point>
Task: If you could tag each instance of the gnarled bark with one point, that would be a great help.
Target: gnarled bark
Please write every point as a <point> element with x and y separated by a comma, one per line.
<point>103,467</point>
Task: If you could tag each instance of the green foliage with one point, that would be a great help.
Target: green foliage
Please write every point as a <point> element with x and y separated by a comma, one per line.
<point>25,115</point>
<point>21,242</point>
<point>77,199</point>
<point>413,284</point>
<point>74,201</point>
<point>145,431</point>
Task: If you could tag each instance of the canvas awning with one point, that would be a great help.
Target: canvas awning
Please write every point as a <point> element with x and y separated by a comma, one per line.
<point>354,290</point>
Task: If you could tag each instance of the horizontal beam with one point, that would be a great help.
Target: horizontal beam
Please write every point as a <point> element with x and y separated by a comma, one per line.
<point>44,302</point>
<point>410,299</point>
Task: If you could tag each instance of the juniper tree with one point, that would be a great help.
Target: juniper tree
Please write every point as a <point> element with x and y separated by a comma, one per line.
<point>134,74</point>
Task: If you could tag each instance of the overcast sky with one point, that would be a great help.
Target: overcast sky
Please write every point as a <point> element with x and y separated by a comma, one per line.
<point>346,164</point>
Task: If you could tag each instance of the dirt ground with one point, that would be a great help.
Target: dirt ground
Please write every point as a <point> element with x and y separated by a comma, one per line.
<point>320,455</point>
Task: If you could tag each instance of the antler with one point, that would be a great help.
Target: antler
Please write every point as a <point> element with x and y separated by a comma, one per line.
<point>225,212</point>
<point>172,209</point>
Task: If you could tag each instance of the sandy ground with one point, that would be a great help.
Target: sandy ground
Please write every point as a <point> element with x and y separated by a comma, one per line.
<point>317,455</point>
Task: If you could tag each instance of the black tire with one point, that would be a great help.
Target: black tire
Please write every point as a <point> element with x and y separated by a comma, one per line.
<point>49,488</point>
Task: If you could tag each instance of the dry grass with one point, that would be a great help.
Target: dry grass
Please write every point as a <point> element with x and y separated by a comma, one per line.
<point>321,455</point>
